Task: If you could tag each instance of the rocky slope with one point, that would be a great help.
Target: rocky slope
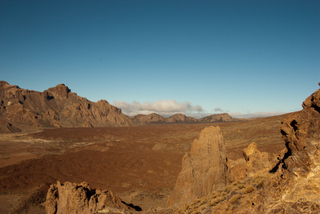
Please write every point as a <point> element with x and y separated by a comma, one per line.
<point>55,107</point>
<point>59,107</point>
<point>264,183</point>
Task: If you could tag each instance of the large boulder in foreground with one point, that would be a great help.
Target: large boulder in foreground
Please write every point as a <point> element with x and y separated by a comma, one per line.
<point>70,198</point>
<point>204,169</point>
<point>301,133</point>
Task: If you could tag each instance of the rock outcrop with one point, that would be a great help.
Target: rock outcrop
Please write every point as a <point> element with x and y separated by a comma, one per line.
<point>204,169</point>
<point>261,183</point>
<point>301,133</point>
<point>70,198</point>
<point>56,107</point>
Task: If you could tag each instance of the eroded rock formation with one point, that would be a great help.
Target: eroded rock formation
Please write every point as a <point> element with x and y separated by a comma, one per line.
<point>204,169</point>
<point>301,133</point>
<point>56,107</point>
<point>289,183</point>
<point>70,198</point>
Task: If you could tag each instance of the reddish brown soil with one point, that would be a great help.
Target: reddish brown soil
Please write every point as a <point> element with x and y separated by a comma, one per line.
<point>140,163</point>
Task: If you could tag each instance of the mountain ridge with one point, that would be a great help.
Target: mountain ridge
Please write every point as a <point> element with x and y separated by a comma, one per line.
<point>60,107</point>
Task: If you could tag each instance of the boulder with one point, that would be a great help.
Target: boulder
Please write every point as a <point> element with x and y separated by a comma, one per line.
<point>70,198</point>
<point>301,133</point>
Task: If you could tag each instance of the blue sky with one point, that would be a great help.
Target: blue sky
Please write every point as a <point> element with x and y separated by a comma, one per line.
<point>246,58</point>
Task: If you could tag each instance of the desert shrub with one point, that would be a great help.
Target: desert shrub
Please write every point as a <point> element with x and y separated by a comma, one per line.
<point>234,198</point>
<point>248,189</point>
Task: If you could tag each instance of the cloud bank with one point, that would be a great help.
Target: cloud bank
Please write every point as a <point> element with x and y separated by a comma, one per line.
<point>168,108</point>
<point>256,114</point>
<point>161,107</point>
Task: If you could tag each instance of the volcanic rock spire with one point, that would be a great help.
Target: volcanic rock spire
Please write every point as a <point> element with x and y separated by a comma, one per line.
<point>204,169</point>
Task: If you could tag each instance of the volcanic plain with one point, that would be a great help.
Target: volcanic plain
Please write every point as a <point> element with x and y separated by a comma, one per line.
<point>138,163</point>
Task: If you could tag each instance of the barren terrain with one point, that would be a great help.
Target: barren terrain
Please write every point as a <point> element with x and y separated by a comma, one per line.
<point>139,163</point>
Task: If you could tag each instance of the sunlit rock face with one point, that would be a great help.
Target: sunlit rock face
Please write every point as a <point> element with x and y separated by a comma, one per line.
<point>71,198</point>
<point>55,107</point>
<point>262,183</point>
<point>204,169</point>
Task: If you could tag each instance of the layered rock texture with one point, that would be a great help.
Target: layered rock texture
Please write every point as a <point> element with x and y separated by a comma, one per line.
<point>55,107</point>
<point>264,183</point>
<point>70,198</point>
<point>204,169</point>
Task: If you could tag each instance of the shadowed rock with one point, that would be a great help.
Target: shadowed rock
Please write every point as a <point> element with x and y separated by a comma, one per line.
<point>301,132</point>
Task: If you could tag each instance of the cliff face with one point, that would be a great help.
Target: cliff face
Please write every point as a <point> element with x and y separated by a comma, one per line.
<point>58,107</point>
<point>203,170</point>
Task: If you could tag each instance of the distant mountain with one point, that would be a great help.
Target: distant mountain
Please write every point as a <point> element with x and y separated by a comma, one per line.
<point>21,109</point>
<point>150,118</point>
<point>55,107</point>
<point>224,117</point>
<point>180,118</point>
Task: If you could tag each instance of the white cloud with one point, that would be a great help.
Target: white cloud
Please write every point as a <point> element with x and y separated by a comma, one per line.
<point>256,114</point>
<point>219,110</point>
<point>168,108</point>
<point>161,107</point>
